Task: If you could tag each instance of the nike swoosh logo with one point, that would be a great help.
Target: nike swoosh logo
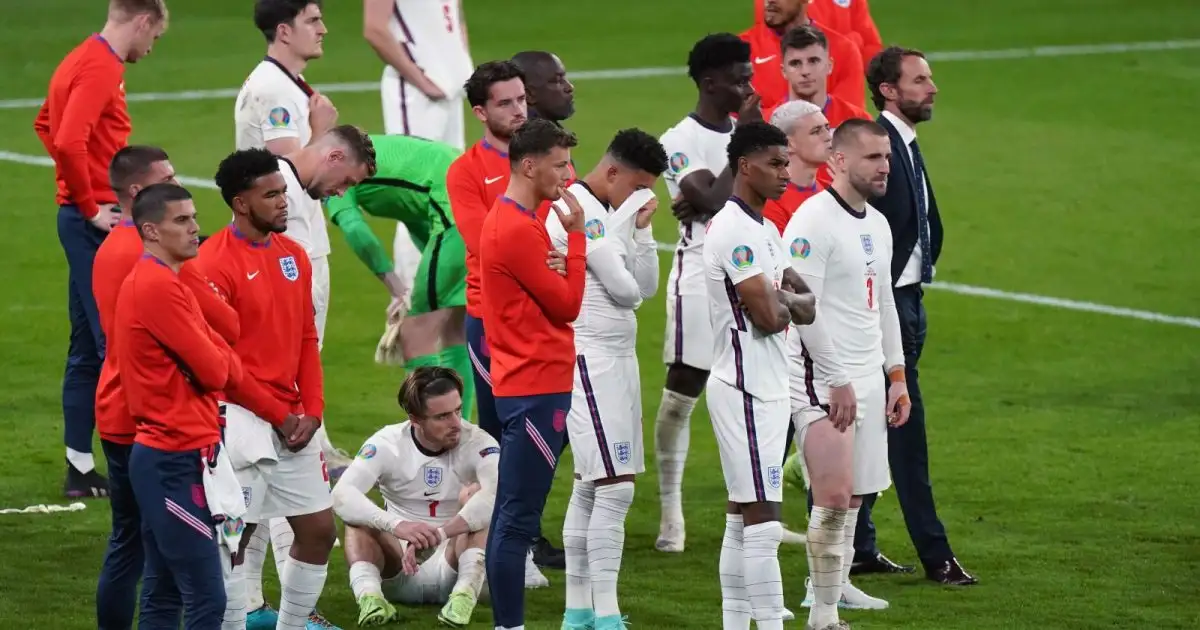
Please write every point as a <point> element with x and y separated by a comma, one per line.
<point>870,262</point>
<point>250,276</point>
<point>764,59</point>
<point>429,494</point>
<point>492,180</point>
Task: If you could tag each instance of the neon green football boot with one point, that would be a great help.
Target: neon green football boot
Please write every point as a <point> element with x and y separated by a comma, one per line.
<point>374,610</point>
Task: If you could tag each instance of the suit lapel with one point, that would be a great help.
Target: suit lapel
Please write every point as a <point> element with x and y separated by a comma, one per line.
<point>899,148</point>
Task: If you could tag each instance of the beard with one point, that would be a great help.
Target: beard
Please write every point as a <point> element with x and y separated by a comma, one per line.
<point>916,111</point>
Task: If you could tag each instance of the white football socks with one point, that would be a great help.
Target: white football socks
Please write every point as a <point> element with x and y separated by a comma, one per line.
<point>606,544</point>
<point>735,604</point>
<point>671,439</point>
<point>235,596</point>
<point>848,548</point>
<point>575,545</point>
<point>366,580</point>
<point>252,565</point>
<point>83,462</point>
<point>471,571</point>
<point>302,584</point>
<point>826,547</point>
<point>281,543</point>
<point>764,582</point>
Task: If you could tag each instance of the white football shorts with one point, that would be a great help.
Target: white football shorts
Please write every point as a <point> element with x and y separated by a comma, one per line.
<point>871,470</point>
<point>689,337</point>
<point>407,111</point>
<point>432,584</point>
<point>605,422</point>
<point>275,481</point>
<point>320,295</point>
<point>750,438</point>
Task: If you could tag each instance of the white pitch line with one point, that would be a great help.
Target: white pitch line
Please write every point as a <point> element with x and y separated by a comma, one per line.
<point>961,289</point>
<point>663,71</point>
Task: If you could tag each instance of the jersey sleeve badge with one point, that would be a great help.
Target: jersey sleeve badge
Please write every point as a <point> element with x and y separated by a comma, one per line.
<point>594,229</point>
<point>279,117</point>
<point>801,248</point>
<point>678,162</point>
<point>366,452</point>
<point>491,450</point>
<point>743,256</point>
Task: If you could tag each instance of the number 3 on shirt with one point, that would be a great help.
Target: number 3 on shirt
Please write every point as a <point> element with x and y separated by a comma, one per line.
<point>870,292</point>
<point>449,17</point>
<point>433,507</point>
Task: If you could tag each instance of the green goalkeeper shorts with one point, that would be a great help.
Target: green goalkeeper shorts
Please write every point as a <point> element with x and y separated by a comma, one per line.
<point>441,280</point>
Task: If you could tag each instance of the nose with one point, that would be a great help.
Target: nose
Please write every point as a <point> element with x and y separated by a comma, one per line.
<point>568,87</point>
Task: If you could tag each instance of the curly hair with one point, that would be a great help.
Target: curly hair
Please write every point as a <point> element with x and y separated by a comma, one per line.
<point>485,76</point>
<point>753,137</point>
<point>637,149</point>
<point>715,52</point>
<point>240,169</point>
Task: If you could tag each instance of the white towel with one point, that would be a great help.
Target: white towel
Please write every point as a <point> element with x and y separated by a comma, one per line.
<point>252,439</point>
<point>629,209</point>
<point>224,495</point>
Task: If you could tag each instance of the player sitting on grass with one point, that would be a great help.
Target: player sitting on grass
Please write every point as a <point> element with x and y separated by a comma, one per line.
<point>410,187</point>
<point>437,476</point>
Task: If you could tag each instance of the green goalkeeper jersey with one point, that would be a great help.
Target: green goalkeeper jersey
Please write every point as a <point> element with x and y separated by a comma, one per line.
<point>409,186</point>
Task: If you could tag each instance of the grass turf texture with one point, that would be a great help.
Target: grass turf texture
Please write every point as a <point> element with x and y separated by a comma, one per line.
<point>1061,442</point>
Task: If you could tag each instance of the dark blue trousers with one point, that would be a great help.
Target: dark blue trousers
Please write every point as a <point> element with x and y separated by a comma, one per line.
<point>908,452</point>
<point>183,561</point>
<point>80,240</point>
<point>116,591</point>
<point>481,364</point>
<point>532,439</point>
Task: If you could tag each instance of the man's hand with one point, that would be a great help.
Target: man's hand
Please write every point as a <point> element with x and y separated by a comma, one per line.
<point>557,261</point>
<point>396,310</point>
<point>408,562</point>
<point>802,307</point>
<point>432,91</point>
<point>417,535</point>
<point>106,218</point>
<point>322,115</point>
<point>685,212</point>
<point>645,214</point>
<point>306,427</point>
<point>751,109</point>
<point>898,403</point>
<point>843,406</point>
<point>572,222</point>
<point>290,423</point>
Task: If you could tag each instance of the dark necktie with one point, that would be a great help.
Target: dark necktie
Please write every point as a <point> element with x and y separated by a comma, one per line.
<point>922,215</point>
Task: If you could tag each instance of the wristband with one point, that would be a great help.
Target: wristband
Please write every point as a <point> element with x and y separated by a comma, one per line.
<point>441,532</point>
<point>896,374</point>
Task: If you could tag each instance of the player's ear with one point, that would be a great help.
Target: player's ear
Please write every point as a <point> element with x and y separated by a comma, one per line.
<point>479,112</point>
<point>611,173</point>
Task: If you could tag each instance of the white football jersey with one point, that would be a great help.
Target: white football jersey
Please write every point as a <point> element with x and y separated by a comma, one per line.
<point>691,146</point>
<point>306,220</point>
<point>605,325</point>
<point>431,32</point>
<point>740,246</point>
<point>272,104</point>
<point>418,485</point>
<point>845,257</point>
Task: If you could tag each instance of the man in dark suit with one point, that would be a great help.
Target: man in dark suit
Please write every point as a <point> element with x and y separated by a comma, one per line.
<point>902,88</point>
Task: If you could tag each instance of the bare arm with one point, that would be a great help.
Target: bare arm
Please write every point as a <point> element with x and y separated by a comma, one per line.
<point>377,14</point>
<point>707,193</point>
<point>767,312</point>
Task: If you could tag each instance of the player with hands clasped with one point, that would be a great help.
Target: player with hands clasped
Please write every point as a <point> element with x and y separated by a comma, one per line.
<point>437,475</point>
<point>842,248</point>
<point>753,297</point>
<point>613,205</point>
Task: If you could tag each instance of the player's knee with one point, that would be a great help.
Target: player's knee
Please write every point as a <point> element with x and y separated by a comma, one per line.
<point>316,533</point>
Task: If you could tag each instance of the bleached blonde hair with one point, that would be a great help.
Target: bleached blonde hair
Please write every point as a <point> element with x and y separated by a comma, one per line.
<point>789,114</point>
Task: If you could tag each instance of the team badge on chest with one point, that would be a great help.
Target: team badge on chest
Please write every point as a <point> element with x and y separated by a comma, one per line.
<point>290,269</point>
<point>433,476</point>
<point>867,244</point>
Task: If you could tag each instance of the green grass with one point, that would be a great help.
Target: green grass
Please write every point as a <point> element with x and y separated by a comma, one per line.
<point>1062,443</point>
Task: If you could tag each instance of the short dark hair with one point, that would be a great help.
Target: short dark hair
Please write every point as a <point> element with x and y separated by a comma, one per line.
<point>423,383</point>
<point>851,128</point>
<point>885,67</point>
<point>753,137</point>
<point>131,162</point>
<point>537,137</point>
<point>359,143</point>
<point>487,74</point>
<point>637,149</point>
<point>802,37</point>
<point>150,205</point>
<point>714,52</point>
<point>269,14</point>
<point>240,169</point>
